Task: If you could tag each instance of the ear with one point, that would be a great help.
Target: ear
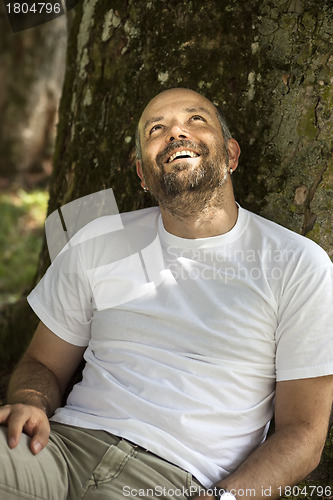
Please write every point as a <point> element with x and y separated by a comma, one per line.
<point>234,152</point>
<point>140,172</point>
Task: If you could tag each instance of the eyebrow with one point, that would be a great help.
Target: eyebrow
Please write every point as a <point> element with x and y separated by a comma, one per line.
<point>202,109</point>
<point>152,120</point>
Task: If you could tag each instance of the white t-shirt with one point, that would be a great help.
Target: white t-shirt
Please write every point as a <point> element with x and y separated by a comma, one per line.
<point>186,338</point>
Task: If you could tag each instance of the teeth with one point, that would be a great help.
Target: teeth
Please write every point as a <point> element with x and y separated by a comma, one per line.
<point>191,154</point>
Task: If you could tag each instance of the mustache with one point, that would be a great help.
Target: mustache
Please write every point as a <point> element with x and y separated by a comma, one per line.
<point>199,148</point>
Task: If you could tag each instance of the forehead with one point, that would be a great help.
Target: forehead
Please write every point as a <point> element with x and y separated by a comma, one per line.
<point>175,100</point>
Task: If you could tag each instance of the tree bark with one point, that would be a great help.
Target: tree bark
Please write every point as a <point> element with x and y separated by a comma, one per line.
<point>268,65</point>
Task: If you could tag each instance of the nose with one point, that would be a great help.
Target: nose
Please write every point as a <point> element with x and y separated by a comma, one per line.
<point>176,132</point>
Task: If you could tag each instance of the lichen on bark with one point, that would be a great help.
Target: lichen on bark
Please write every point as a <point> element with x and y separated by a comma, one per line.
<point>295,63</point>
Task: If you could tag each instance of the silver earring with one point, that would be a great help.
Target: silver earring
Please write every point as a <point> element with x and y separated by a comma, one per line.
<point>145,189</point>
<point>231,171</point>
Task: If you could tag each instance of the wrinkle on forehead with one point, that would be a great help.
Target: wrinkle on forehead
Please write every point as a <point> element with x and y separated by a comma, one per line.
<point>164,96</point>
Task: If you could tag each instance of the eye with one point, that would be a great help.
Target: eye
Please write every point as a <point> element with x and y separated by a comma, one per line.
<point>197,118</point>
<point>155,128</point>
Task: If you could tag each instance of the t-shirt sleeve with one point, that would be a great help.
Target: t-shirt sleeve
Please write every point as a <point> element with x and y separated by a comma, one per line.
<point>63,300</point>
<point>304,336</point>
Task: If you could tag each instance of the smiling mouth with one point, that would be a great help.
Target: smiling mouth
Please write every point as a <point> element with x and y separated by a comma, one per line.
<point>182,154</point>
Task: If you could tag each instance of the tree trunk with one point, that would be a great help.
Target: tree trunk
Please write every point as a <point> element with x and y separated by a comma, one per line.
<point>32,66</point>
<point>269,66</point>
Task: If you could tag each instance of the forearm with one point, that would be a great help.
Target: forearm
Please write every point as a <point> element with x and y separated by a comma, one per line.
<point>34,384</point>
<point>283,460</point>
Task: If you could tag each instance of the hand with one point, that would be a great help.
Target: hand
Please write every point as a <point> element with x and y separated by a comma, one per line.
<point>28,419</point>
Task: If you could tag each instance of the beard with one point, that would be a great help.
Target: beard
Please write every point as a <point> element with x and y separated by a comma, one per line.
<point>188,189</point>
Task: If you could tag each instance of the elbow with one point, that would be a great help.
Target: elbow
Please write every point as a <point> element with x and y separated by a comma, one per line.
<point>314,464</point>
<point>315,456</point>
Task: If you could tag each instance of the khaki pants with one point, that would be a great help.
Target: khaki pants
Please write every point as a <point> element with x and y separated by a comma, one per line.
<point>89,464</point>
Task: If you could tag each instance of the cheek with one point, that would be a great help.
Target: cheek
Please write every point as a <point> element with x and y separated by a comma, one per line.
<point>150,152</point>
<point>214,136</point>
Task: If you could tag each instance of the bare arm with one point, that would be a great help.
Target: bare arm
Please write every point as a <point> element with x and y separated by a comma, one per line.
<point>301,420</point>
<point>37,386</point>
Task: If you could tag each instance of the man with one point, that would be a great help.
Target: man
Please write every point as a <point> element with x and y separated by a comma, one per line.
<point>193,337</point>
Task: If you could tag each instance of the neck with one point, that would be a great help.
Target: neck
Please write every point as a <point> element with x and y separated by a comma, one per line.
<point>213,220</point>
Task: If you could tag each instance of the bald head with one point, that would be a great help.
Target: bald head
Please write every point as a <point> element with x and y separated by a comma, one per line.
<point>174,97</point>
<point>153,112</point>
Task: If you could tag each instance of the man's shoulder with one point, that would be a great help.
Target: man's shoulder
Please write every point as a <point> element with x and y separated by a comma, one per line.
<point>285,240</point>
<point>114,237</point>
<point>116,222</point>
<point>142,217</point>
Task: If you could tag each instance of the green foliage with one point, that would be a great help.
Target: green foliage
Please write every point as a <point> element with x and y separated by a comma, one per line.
<point>21,234</point>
